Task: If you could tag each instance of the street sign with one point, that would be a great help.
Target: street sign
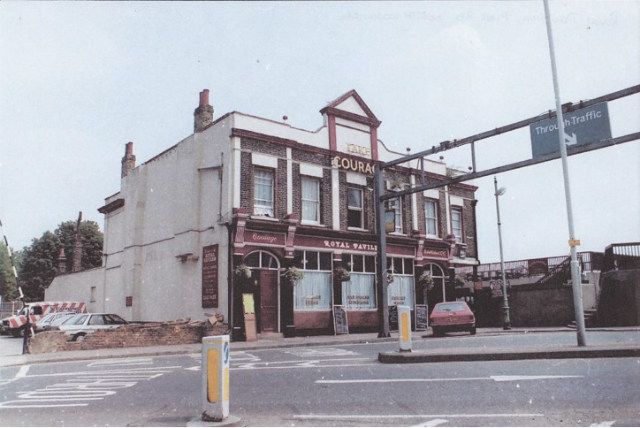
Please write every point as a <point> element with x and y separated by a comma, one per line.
<point>581,126</point>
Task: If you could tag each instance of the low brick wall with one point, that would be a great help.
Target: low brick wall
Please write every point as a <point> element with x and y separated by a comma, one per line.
<point>130,335</point>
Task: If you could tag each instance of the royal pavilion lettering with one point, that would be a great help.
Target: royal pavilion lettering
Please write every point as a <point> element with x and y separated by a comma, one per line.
<point>354,165</point>
<point>350,245</point>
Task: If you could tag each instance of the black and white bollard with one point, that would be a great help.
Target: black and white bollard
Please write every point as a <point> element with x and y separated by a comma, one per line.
<point>404,328</point>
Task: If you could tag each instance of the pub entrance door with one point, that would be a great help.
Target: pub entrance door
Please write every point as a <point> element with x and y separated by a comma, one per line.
<point>268,301</point>
<point>265,270</point>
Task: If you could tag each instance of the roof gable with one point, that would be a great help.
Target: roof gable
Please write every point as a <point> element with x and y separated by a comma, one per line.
<point>352,104</point>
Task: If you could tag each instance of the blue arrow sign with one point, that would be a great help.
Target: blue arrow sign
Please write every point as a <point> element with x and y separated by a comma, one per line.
<point>580,127</point>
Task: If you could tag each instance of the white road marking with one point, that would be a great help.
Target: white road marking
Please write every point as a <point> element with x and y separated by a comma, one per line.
<point>121,362</point>
<point>79,388</point>
<point>22,372</point>
<point>603,424</point>
<point>243,356</point>
<point>319,352</point>
<point>453,379</point>
<point>432,423</point>
<point>405,416</point>
<point>303,367</point>
<point>541,377</point>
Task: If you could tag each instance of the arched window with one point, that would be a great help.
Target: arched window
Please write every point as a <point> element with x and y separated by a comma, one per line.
<point>438,276</point>
<point>261,260</point>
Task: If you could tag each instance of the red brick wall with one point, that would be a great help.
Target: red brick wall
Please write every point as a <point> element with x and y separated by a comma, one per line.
<point>131,335</point>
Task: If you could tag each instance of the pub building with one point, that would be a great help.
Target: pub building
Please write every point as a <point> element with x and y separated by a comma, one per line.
<point>258,220</point>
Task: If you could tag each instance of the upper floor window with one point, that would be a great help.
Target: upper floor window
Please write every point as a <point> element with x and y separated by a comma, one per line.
<point>263,199</point>
<point>395,205</point>
<point>431,217</point>
<point>456,223</point>
<point>311,199</point>
<point>355,211</point>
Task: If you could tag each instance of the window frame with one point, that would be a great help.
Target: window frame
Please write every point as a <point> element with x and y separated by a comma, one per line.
<point>304,200</point>
<point>434,218</point>
<point>255,193</point>
<point>459,237</point>
<point>351,208</point>
<point>398,218</point>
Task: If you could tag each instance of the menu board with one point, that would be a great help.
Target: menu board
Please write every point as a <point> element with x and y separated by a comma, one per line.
<point>340,322</point>
<point>422,317</point>
<point>210,276</point>
<point>393,317</point>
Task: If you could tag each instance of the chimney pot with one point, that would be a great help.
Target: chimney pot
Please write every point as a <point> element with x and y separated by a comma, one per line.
<point>129,160</point>
<point>204,97</point>
<point>203,115</point>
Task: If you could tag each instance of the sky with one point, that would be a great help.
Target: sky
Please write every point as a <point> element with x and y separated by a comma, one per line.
<point>78,80</point>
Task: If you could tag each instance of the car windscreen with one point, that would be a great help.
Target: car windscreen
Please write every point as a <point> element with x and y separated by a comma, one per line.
<point>75,320</point>
<point>63,319</point>
<point>451,307</point>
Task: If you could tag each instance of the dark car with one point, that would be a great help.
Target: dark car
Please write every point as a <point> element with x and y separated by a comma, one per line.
<point>452,316</point>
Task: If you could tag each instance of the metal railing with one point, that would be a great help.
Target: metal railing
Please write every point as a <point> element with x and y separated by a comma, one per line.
<point>622,256</point>
<point>589,261</point>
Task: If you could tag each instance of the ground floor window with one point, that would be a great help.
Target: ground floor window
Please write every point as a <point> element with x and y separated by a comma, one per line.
<point>402,290</point>
<point>313,292</point>
<point>359,293</point>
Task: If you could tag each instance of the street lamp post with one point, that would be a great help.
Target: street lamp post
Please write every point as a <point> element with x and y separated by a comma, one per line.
<point>506,322</point>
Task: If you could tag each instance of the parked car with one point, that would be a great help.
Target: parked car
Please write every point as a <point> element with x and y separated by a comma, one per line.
<point>47,321</point>
<point>452,316</point>
<point>16,325</point>
<point>82,324</point>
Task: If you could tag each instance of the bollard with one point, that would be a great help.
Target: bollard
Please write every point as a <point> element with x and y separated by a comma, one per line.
<point>215,378</point>
<point>404,328</point>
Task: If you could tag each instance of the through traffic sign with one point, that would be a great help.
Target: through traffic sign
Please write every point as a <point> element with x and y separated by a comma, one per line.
<point>581,126</point>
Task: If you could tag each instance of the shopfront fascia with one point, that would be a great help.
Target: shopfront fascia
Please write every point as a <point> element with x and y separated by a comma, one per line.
<point>321,253</point>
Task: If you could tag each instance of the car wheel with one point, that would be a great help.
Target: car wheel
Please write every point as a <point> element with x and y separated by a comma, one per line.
<point>473,330</point>
<point>78,337</point>
<point>437,332</point>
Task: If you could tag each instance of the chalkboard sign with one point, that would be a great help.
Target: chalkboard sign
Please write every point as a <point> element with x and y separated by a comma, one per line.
<point>422,317</point>
<point>393,317</point>
<point>340,322</point>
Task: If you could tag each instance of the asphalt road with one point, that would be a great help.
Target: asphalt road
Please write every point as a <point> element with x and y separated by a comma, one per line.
<point>333,386</point>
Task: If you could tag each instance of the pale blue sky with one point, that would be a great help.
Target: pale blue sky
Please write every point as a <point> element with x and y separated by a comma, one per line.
<point>79,80</point>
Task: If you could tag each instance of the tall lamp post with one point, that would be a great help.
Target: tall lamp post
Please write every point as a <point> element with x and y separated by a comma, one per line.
<point>506,322</point>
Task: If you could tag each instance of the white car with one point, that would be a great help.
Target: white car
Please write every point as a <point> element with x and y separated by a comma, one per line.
<point>48,320</point>
<point>83,324</point>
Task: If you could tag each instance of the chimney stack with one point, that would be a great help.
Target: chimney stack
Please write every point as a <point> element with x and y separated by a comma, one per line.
<point>77,247</point>
<point>203,115</point>
<point>128,161</point>
<point>62,262</point>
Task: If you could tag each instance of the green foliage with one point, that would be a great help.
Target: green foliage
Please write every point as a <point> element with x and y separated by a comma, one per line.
<point>8,287</point>
<point>39,263</point>
<point>92,239</point>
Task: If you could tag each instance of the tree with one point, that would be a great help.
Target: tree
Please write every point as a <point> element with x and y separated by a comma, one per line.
<point>39,263</point>
<point>8,287</point>
<point>92,239</point>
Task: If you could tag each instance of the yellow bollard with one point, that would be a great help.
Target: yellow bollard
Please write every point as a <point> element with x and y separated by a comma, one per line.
<point>215,381</point>
<point>404,328</point>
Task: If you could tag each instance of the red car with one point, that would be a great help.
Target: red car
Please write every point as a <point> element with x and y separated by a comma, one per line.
<point>452,316</point>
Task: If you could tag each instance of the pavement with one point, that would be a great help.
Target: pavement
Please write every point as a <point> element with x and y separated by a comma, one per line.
<point>440,354</point>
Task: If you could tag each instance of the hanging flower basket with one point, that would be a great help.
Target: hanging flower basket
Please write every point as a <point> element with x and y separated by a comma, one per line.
<point>458,281</point>
<point>341,274</point>
<point>426,281</point>
<point>293,274</point>
<point>242,271</point>
<point>389,277</point>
